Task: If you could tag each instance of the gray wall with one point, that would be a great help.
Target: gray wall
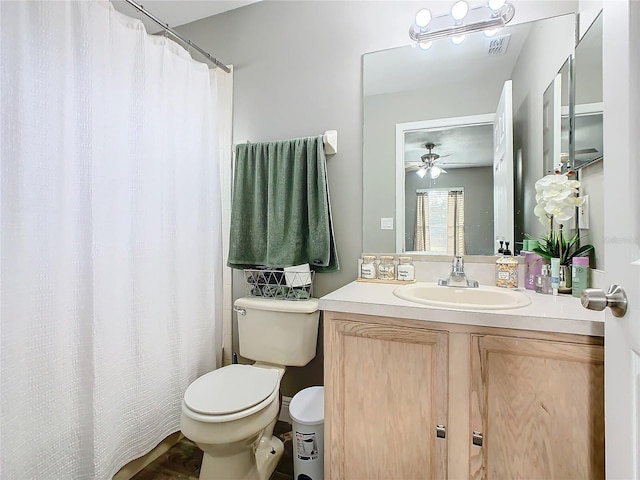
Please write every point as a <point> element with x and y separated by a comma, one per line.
<point>381,115</point>
<point>297,72</point>
<point>546,50</point>
<point>592,179</point>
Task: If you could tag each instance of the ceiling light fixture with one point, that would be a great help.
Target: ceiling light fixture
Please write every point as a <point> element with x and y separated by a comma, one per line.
<point>459,11</point>
<point>461,20</point>
<point>423,17</point>
<point>434,171</point>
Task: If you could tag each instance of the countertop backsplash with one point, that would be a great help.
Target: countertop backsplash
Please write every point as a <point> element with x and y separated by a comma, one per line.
<point>431,268</point>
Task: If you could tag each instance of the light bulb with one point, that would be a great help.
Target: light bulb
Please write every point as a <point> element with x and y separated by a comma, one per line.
<point>421,172</point>
<point>490,33</point>
<point>458,40</point>
<point>496,5</point>
<point>423,17</point>
<point>435,172</point>
<point>459,10</point>
<point>425,45</point>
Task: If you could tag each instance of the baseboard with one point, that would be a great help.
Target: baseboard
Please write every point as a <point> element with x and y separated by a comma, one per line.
<point>284,410</point>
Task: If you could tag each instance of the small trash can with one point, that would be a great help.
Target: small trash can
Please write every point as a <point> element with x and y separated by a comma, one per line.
<point>306,409</point>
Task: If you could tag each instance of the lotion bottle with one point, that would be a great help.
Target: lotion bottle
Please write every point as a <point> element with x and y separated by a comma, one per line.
<point>580,275</point>
<point>555,275</point>
<point>507,270</point>
<point>543,281</point>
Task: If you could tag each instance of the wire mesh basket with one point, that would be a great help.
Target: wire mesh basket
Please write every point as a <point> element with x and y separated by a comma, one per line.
<point>280,284</point>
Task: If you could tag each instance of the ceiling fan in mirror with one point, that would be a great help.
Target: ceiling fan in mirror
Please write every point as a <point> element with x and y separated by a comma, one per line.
<point>564,167</point>
<point>427,163</point>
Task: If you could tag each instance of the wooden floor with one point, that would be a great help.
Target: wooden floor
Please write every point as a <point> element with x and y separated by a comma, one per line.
<point>182,461</point>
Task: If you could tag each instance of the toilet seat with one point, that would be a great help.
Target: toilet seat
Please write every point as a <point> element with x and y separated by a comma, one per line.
<point>231,392</point>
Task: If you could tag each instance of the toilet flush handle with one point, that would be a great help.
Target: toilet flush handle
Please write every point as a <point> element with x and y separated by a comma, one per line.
<point>239,311</point>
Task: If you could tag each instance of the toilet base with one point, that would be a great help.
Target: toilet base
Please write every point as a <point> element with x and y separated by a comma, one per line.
<point>268,454</point>
<point>245,464</point>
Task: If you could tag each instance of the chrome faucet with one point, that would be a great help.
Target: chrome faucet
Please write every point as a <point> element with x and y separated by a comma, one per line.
<point>457,277</point>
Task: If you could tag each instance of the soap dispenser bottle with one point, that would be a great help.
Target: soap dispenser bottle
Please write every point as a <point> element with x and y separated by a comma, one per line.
<point>507,269</point>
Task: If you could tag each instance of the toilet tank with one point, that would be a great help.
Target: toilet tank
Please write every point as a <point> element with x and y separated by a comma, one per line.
<point>283,332</point>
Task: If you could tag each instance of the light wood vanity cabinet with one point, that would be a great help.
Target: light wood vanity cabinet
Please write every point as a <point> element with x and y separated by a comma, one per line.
<point>535,401</point>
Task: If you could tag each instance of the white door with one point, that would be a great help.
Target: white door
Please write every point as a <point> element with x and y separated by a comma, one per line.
<point>621,44</point>
<point>503,227</point>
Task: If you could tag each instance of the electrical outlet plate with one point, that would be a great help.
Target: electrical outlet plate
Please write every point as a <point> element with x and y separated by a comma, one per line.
<point>386,223</point>
<point>583,214</point>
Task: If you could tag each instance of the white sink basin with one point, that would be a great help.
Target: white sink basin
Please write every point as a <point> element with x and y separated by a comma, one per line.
<point>481,298</point>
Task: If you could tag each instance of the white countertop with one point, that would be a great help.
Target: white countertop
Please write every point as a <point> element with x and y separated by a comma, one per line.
<point>547,313</point>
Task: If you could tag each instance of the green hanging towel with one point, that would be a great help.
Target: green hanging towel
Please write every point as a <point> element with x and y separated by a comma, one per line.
<point>280,212</point>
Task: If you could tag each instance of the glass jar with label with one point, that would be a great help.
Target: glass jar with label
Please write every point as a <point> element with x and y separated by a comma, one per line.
<point>368,267</point>
<point>386,268</point>
<point>406,270</point>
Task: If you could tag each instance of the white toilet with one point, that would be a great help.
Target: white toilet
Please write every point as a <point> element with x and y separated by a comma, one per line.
<point>230,412</point>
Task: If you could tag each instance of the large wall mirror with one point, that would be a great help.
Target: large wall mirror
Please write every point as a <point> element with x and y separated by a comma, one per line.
<point>557,108</point>
<point>588,161</point>
<point>409,86</point>
<point>573,114</point>
<point>588,123</point>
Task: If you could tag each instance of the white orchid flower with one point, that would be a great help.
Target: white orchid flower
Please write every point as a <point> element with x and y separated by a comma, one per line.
<point>556,197</point>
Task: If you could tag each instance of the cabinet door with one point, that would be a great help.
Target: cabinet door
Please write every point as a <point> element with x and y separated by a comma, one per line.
<point>539,406</point>
<point>385,393</point>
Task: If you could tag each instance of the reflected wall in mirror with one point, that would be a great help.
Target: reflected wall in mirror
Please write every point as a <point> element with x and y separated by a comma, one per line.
<point>589,145</point>
<point>448,187</point>
<point>407,84</point>
<point>556,113</point>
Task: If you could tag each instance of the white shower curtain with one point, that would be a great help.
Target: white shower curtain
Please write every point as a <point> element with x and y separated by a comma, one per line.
<point>111,268</point>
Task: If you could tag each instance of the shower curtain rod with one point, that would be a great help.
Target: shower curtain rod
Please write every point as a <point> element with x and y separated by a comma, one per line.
<point>167,29</point>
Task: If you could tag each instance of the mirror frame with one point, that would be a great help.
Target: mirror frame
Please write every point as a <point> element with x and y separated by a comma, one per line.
<point>401,130</point>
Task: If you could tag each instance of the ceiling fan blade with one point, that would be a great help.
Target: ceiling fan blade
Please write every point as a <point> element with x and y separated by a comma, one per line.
<point>411,168</point>
<point>582,151</point>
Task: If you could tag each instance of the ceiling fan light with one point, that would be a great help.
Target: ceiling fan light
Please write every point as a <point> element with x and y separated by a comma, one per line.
<point>435,172</point>
<point>421,172</point>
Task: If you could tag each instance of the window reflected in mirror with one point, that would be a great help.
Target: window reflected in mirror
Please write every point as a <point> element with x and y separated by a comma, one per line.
<point>456,205</point>
<point>439,222</point>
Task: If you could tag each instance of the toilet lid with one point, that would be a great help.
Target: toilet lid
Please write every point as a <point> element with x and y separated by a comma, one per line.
<point>230,389</point>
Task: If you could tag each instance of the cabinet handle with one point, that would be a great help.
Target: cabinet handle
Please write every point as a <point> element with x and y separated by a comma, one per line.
<point>477,438</point>
<point>441,431</point>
